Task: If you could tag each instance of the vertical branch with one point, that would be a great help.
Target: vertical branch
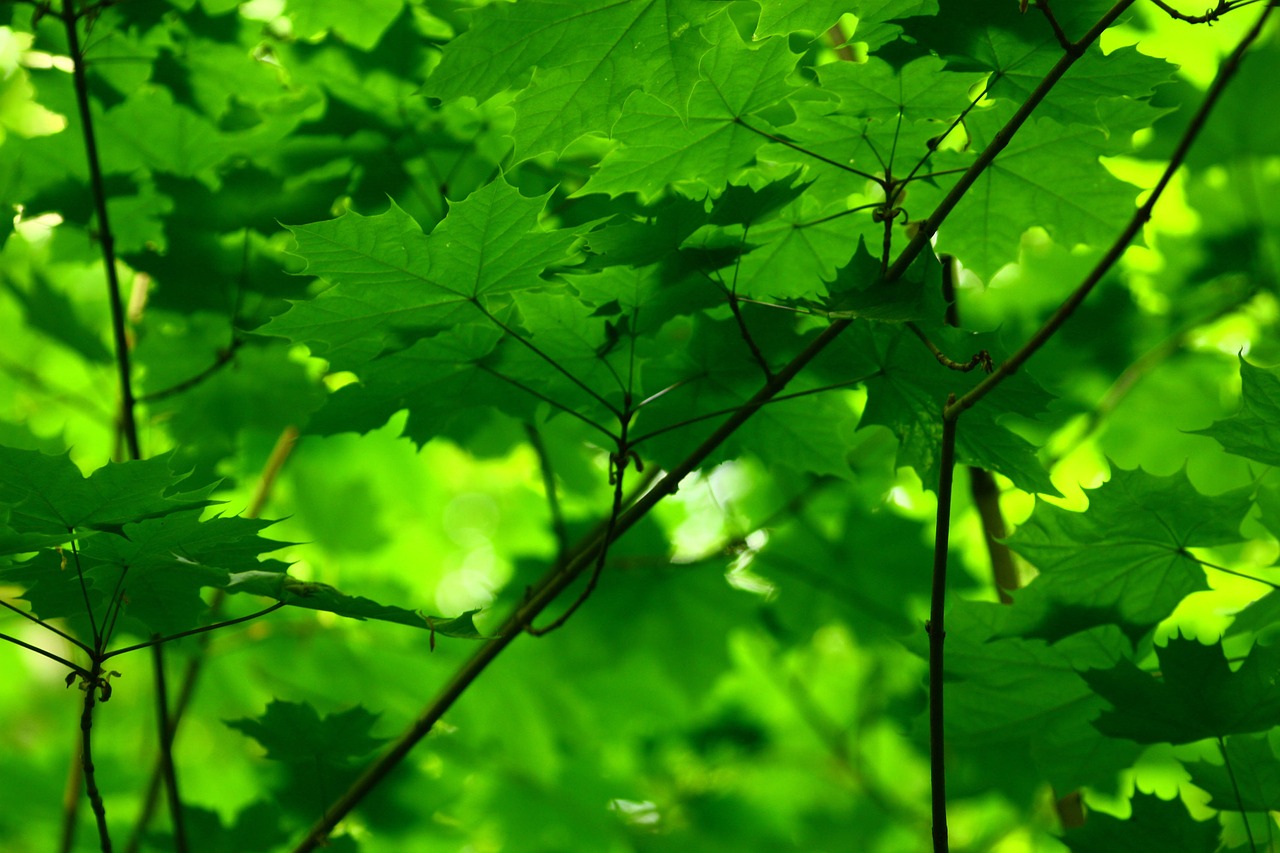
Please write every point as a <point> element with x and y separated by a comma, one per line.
<point>937,632</point>
<point>165,734</point>
<point>86,749</point>
<point>71,801</point>
<point>982,486</point>
<point>128,424</point>
<point>191,675</point>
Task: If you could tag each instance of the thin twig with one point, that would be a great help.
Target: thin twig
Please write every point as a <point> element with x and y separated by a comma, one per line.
<point>1223,7</point>
<point>815,155</point>
<point>165,735</point>
<point>981,358</point>
<point>559,368</point>
<point>90,686</point>
<point>46,625</point>
<point>221,360</point>
<point>1235,788</point>
<point>937,632</point>
<point>78,670</point>
<point>549,486</point>
<point>203,629</point>
<point>1063,40</point>
<point>106,239</point>
<point>1140,217</point>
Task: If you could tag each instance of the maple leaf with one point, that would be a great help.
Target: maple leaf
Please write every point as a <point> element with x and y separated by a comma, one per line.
<point>1196,694</point>
<point>394,284</point>
<point>586,57</point>
<point>1254,432</point>
<point>1126,558</point>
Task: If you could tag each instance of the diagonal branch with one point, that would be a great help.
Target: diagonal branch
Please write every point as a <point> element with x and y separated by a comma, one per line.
<point>1140,217</point>
<point>557,580</point>
<point>1003,137</point>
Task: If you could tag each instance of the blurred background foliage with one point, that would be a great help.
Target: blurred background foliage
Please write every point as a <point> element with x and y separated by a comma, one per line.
<point>748,676</point>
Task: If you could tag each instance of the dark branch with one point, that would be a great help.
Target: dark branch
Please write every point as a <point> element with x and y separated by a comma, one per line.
<point>1140,217</point>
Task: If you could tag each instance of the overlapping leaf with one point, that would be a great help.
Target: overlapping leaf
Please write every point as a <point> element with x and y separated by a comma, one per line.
<point>661,146</point>
<point>1126,558</point>
<point>1254,432</point>
<point>394,285</point>
<point>1195,695</point>
<point>1155,826</point>
<point>586,59</point>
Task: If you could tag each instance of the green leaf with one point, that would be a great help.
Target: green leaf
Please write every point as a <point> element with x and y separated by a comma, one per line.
<point>1253,432</point>
<point>660,146</point>
<point>907,388</point>
<point>361,23</point>
<point>1156,826</point>
<point>393,284</point>
<point>1017,705</point>
<point>588,58</point>
<point>1048,176</point>
<point>320,596</point>
<point>48,495</point>
<point>292,732</point>
<point>1196,694</point>
<point>1256,775</point>
<point>1126,557</point>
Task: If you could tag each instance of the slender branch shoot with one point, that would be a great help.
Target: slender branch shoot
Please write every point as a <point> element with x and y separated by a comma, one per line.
<point>158,641</point>
<point>937,633</point>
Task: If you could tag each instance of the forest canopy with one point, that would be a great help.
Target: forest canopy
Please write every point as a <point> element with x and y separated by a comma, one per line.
<point>639,425</point>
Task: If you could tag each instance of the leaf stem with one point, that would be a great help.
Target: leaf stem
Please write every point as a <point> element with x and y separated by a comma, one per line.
<point>1140,217</point>
<point>548,400</point>
<point>778,399</point>
<point>815,155</point>
<point>78,670</point>
<point>84,592</point>
<point>532,347</point>
<point>158,641</point>
<point>1225,570</point>
<point>46,625</point>
<point>937,632</point>
<point>1235,788</point>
